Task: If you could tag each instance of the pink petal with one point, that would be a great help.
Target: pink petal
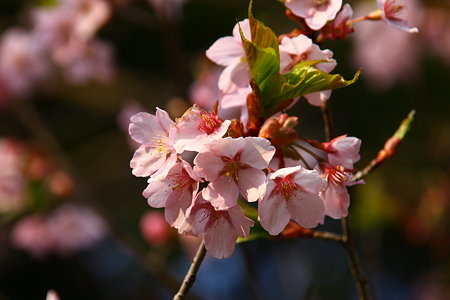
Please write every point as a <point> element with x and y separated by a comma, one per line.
<point>318,98</point>
<point>257,152</point>
<point>239,221</point>
<point>164,119</point>
<point>309,180</point>
<point>245,27</point>
<point>222,193</point>
<point>225,51</point>
<point>306,209</point>
<point>157,192</point>
<point>273,212</point>
<point>220,239</point>
<point>252,184</point>
<point>208,165</point>
<point>146,161</point>
<point>336,200</point>
<point>144,127</point>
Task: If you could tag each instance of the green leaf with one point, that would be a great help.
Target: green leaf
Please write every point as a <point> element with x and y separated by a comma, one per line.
<point>405,126</point>
<point>275,90</point>
<point>262,51</point>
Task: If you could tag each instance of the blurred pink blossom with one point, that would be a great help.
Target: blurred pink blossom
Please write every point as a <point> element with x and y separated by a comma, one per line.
<point>154,228</point>
<point>23,63</point>
<point>170,9</point>
<point>386,55</point>
<point>389,13</point>
<point>75,227</point>
<point>315,12</point>
<point>32,235</point>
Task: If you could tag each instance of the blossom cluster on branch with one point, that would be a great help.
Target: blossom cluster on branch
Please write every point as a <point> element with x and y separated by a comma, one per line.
<point>209,172</point>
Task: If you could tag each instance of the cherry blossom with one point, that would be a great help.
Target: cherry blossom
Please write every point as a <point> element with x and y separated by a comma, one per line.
<point>389,13</point>
<point>315,12</point>
<point>343,151</point>
<point>336,197</point>
<point>154,228</point>
<point>299,49</point>
<point>292,193</point>
<point>153,132</point>
<point>174,190</point>
<point>229,52</point>
<point>340,27</point>
<point>234,166</point>
<point>75,227</point>
<point>22,62</point>
<point>196,128</point>
<point>220,228</point>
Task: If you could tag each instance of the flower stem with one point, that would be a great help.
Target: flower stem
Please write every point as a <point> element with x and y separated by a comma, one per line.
<point>192,273</point>
<point>361,282</point>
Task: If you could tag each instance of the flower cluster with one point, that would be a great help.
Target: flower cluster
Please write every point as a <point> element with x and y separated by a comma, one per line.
<point>61,36</point>
<point>209,173</point>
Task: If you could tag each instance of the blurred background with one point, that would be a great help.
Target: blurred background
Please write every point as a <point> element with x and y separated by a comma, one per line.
<point>72,215</point>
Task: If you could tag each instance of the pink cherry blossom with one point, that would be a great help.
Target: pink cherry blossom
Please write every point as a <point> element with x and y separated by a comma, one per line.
<point>52,295</point>
<point>299,49</point>
<point>387,55</point>
<point>315,12</point>
<point>156,153</point>
<point>174,190</point>
<point>292,193</point>
<point>336,197</point>
<point>75,227</point>
<point>22,62</point>
<point>220,228</point>
<point>234,166</point>
<point>154,228</point>
<point>389,13</point>
<point>343,151</point>
<point>32,235</point>
<point>229,52</point>
<point>196,128</point>
<point>82,61</point>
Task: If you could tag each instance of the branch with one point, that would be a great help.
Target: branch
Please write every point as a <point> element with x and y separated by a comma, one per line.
<point>389,149</point>
<point>192,273</point>
<point>352,258</point>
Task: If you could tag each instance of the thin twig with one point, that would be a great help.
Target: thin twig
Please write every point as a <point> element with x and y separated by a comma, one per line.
<point>361,282</point>
<point>352,258</point>
<point>192,273</point>
<point>328,236</point>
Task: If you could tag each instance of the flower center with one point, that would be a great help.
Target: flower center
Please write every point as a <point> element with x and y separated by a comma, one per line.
<point>285,186</point>
<point>209,123</point>
<point>391,10</point>
<point>232,167</point>
<point>335,174</point>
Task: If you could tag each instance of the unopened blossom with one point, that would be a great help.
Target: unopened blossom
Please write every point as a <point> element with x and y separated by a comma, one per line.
<point>197,128</point>
<point>229,52</point>
<point>23,63</point>
<point>343,151</point>
<point>82,62</point>
<point>153,132</point>
<point>336,197</point>
<point>75,227</point>
<point>390,11</point>
<point>301,48</point>
<point>219,228</point>
<point>174,190</point>
<point>315,12</point>
<point>234,166</point>
<point>292,193</point>
<point>154,228</point>
<point>32,235</point>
